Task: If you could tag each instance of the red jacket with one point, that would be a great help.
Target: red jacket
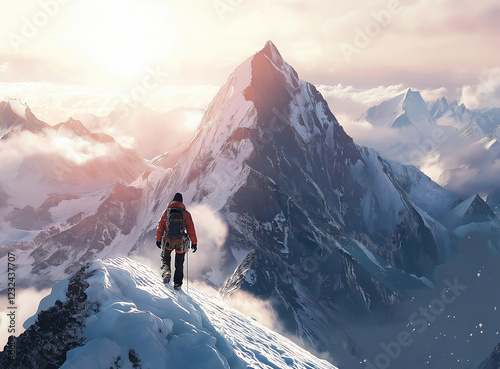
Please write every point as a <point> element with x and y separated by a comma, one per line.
<point>188,222</point>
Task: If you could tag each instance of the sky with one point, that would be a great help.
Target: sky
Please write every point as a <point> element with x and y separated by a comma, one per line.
<point>65,57</point>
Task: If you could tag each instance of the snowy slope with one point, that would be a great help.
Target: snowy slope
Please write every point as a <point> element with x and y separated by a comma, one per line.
<point>488,121</point>
<point>127,318</point>
<point>425,193</point>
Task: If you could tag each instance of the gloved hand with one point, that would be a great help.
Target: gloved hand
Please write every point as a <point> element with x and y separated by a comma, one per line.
<point>158,244</point>
<point>194,247</point>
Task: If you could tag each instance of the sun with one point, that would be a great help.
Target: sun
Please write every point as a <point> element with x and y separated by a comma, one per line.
<point>123,37</point>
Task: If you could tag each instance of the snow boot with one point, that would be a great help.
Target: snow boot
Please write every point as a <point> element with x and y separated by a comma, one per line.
<point>177,287</point>
<point>166,274</point>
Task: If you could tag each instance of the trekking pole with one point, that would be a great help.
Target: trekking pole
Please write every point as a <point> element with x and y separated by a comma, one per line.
<point>187,268</point>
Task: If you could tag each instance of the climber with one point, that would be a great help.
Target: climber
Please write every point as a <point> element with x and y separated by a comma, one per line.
<point>174,232</point>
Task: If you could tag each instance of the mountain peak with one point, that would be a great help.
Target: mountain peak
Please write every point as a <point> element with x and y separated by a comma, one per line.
<point>262,108</point>
<point>479,206</point>
<point>18,107</point>
<point>473,209</point>
<point>413,95</point>
<point>73,126</point>
<point>442,102</point>
<point>272,52</point>
<point>9,115</point>
<point>413,99</point>
<point>405,110</point>
<point>16,116</point>
<point>263,83</point>
<point>439,107</point>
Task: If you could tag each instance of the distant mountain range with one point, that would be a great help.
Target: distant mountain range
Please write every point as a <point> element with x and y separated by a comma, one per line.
<point>457,146</point>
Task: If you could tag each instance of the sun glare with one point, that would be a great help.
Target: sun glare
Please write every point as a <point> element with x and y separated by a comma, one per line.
<point>124,37</point>
<point>193,120</point>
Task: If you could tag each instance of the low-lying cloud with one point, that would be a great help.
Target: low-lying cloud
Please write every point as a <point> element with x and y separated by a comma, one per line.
<point>46,161</point>
<point>212,232</point>
<point>484,94</point>
<point>27,301</point>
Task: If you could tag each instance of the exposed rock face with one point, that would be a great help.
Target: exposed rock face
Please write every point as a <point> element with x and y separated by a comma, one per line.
<point>56,331</point>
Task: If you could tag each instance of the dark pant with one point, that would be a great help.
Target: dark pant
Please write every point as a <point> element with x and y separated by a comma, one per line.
<point>166,258</point>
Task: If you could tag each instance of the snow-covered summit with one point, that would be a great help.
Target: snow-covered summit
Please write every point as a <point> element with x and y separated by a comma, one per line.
<point>74,128</point>
<point>118,313</point>
<point>415,107</point>
<point>262,98</point>
<point>439,107</point>
<point>272,52</point>
<point>473,210</point>
<point>405,110</point>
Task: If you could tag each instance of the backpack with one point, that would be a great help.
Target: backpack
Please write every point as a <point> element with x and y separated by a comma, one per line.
<point>175,227</point>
